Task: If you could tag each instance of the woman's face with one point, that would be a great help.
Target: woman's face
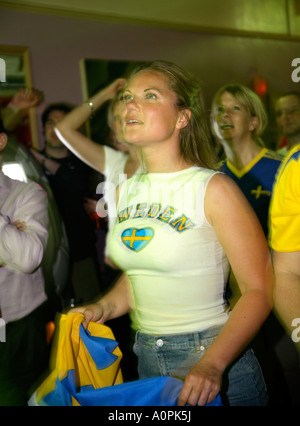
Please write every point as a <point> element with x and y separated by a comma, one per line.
<point>232,120</point>
<point>149,113</point>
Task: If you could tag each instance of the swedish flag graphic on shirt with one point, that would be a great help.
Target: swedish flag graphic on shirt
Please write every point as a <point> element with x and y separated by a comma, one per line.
<point>136,239</point>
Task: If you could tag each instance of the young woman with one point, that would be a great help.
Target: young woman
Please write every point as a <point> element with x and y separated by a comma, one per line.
<point>178,227</point>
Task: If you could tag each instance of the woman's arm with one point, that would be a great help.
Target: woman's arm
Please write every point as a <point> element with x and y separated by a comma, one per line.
<point>117,302</point>
<point>242,238</point>
<point>68,128</point>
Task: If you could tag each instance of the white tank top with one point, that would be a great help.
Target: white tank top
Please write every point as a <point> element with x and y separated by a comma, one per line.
<point>176,265</point>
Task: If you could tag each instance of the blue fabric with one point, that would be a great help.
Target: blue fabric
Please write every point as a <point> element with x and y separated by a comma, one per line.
<point>61,396</point>
<point>87,373</point>
<point>158,391</point>
<point>257,183</point>
<point>99,348</point>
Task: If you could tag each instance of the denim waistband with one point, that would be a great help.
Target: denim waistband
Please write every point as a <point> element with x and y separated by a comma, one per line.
<point>185,340</point>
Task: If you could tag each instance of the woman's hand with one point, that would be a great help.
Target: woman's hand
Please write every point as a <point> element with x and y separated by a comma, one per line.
<point>202,384</point>
<point>115,87</point>
<point>93,312</point>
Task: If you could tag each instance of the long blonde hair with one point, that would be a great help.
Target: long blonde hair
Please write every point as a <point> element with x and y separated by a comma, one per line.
<point>196,142</point>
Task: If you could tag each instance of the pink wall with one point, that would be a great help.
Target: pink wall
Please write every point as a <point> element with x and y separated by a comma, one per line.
<point>58,43</point>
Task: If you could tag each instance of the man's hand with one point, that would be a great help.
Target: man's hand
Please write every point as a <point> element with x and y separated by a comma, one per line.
<point>25,99</point>
<point>21,226</point>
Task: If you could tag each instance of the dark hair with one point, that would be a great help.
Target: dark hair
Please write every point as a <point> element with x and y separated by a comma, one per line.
<point>59,106</point>
<point>196,143</point>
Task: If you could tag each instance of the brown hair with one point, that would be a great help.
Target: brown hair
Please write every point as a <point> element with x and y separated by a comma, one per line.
<point>196,143</point>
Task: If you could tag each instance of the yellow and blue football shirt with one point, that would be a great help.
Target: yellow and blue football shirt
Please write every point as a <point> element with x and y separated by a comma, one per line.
<point>256,181</point>
<point>285,205</point>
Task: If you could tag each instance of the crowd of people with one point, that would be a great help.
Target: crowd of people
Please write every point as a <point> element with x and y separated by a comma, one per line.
<point>200,277</point>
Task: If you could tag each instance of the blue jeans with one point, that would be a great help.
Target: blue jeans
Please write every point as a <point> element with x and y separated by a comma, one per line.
<point>242,383</point>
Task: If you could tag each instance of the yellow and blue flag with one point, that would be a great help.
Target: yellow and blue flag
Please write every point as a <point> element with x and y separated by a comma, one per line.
<point>87,372</point>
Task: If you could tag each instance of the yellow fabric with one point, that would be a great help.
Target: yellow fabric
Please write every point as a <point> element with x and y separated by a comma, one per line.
<point>285,206</point>
<point>69,353</point>
<point>241,172</point>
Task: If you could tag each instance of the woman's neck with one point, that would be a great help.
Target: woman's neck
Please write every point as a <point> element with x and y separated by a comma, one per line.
<point>133,162</point>
<point>163,161</point>
<point>241,154</point>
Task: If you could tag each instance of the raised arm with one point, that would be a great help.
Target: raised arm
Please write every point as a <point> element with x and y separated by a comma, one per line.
<point>67,129</point>
<point>241,235</point>
<point>24,99</point>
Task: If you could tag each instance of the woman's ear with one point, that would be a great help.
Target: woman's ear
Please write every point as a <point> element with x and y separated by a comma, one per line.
<point>184,118</point>
<point>3,141</point>
<point>253,123</point>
